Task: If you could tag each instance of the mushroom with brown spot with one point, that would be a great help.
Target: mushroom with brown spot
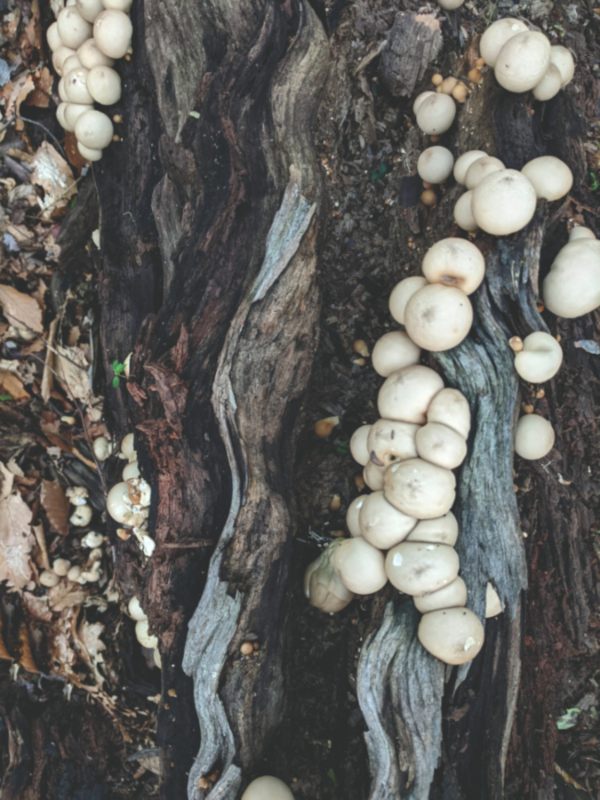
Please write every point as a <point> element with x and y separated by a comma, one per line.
<point>417,568</point>
<point>420,489</point>
<point>381,524</point>
<point>452,635</point>
<point>454,262</point>
<point>438,317</point>
<point>390,440</point>
<point>405,395</point>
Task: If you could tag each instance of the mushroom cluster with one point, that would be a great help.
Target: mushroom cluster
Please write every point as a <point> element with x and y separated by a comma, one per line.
<point>85,40</point>
<point>142,630</point>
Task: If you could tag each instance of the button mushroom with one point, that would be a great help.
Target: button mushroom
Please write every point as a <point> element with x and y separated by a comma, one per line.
<point>406,394</point>
<point>550,85</point>
<point>463,163</point>
<point>53,37</point>
<point>523,61</point>
<point>572,287</point>
<point>393,351</point>
<point>463,213</point>
<point>267,788</point>
<point>112,33</point>
<point>390,440</point>
<point>497,35</point>
<point>551,178</point>
<point>417,568</point>
<point>381,524</point>
<point>440,530</point>
<point>359,565</point>
<point>419,489</point>
<point>451,596</point>
<point>440,445</point>
<point>480,169</point>
<point>90,56</point>
<point>323,587</point>
<point>104,85</point>
<point>493,604</point>
<point>401,294</point>
<point>94,129</point>
<point>435,114</point>
<point>358,445</point>
<point>72,28</point>
<point>504,202</point>
<point>562,58</point>
<point>453,635</point>
<point>353,515</point>
<point>89,9</point>
<point>373,476</point>
<point>540,358</point>
<point>454,262</point>
<point>435,164</point>
<point>438,317</point>
<point>534,437</point>
<point>450,407</point>
<point>76,86</point>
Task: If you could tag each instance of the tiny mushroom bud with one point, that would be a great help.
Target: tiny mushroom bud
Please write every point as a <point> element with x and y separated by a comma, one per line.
<point>428,198</point>
<point>405,395</point>
<point>89,9</point>
<point>353,515</point>
<point>562,59</point>
<point>102,448</point>
<point>453,635</point>
<point>91,57</point>
<point>324,427</point>
<point>462,164</point>
<point>420,489</point>
<point>534,437</point>
<point>358,445</point>
<point>460,92</point>
<point>440,445</point>
<point>440,530</point>
<point>497,35</point>
<point>104,85</point>
<point>390,440</point>
<point>523,61</point>
<point>450,407</point>
<point>94,130</point>
<point>463,212</point>
<point>53,37</point>
<point>394,351</point>
<point>267,788</point>
<point>480,169</point>
<point>72,28</point>
<point>401,294</point>
<point>515,343</point>
<point>493,604</point>
<point>112,33</point>
<point>360,566</point>
<point>81,517</point>
<point>61,566</point>
<point>435,164</point>
<point>504,202</point>
<point>448,84</point>
<point>135,610</point>
<point>550,85</point>
<point>540,358</point>
<point>450,596</point>
<point>417,568</point>
<point>143,635</point>
<point>436,79</point>
<point>381,524</point>
<point>49,579</point>
<point>551,178</point>
<point>438,317</point>
<point>89,153</point>
<point>454,262</point>
<point>572,287</point>
<point>436,113</point>
<point>373,476</point>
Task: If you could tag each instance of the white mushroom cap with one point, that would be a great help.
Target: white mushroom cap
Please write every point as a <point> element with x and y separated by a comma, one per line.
<point>72,62</point>
<point>135,610</point>
<point>143,635</point>
<point>463,163</point>
<point>81,516</point>
<point>450,5</point>
<point>72,28</point>
<point>360,566</point>
<point>373,476</point>
<point>89,153</point>
<point>581,232</point>
<point>401,294</point>
<point>353,515</point>
<point>131,470</point>
<point>493,604</point>
<point>128,447</point>
<point>90,56</point>
<point>53,37</point>
<point>436,114</point>
<point>455,262</point>
<point>59,57</point>
<point>417,568</point>
<point>496,36</point>
<point>118,5</point>
<point>393,351</point>
<point>72,113</point>
<point>89,9</point>
<point>390,440</point>
<point>451,596</point>
<point>60,115</point>
<point>540,358</point>
<point>440,530</point>
<point>76,86</point>
<point>480,169</point>
<point>435,164</point>
<point>323,587</point>
<point>406,394</point>
<point>381,524</point>
<point>550,85</point>
<point>61,567</point>
<point>438,317</point>
<point>267,788</point>
<point>534,437</point>
<point>359,448</point>
<point>562,58</point>
<point>463,212</point>
<point>450,407</point>
<point>440,445</point>
<point>94,129</point>
<point>104,85</point>
<point>523,61</point>
<point>112,33</point>
<point>572,287</point>
<point>419,99</point>
<point>419,489</point>
<point>453,635</point>
<point>61,91</point>
<point>118,503</point>
<point>551,178</point>
<point>504,202</point>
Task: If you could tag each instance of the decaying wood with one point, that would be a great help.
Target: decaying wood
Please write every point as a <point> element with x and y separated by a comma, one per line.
<point>413,43</point>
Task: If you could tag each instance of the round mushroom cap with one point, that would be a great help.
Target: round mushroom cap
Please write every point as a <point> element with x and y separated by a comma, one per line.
<point>394,351</point>
<point>581,232</point>
<point>401,294</point>
<point>440,530</point>
<point>463,163</point>
<point>59,57</point>
<point>72,28</point>
<point>550,85</point>
<point>60,115</point>
<point>89,9</point>
<point>523,61</point>
<point>450,407</point>
<point>451,596</point>
<point>135,610</point>
<point>450,5</point>
<point>493,604</point>
<point>94,129</point>
<point>438,317</point>
<point>540,358</point>
<point>463,212</point>
<point>504,202</point>
<point>104,85</point>
<point>90,56</point>
<point>440,445</point>
<point>53,37</point>
<point>417,568</point>
<point>419,99</point>
<point>455,262</point>
<point>72,62</point>
<point>353,515</point>
<point>72,113</point>
<point>61,91</point>
<point>112,33</point>
<point>551,178</point>
<point>534,437</point>
<point>435,164</point>
<point>419,489</point>
<point>118,503</point>
<point>390,440</point>
<point>143,635</point>
<point>76,86</point>
<point>453,635</point>
<point>562,58</point>
<point>572,287</point>
<point>359,448</point>
<point>119,5</point>
<point>373,476</point>
<point>497,35</point>
<point>361,566</point>
<point>89,153</point>
<point>436,114</point>
<point>267,788</point>
<point>381,524</point>
<point>406,394</point>
<point>480,169</point>
<point>324,589</point>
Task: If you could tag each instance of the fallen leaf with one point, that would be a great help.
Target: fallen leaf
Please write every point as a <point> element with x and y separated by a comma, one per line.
<point>64,595</point>
<point>13,94</point>
<point>11,384</point>
<point>72,370</point>
<point>16,536</point>
<point>56,506</point>
<point>53,174</point>
<point>21,311</point>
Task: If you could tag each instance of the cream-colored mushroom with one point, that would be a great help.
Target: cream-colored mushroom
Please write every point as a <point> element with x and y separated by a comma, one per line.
<point>112,33</point>
<point>59,57</point>
<point>550,85</point>
<point>493,604</point>
<point>419,489</point>
<point>373,476</point>
<point>393,351</point>
<point>89,9</point>
<point>102,448</point>
<point>89,153</point>
<point>454,262</point>
<point>450,5</point>
<point>440,445</point>
<point>359,448</point>
<point>417,568</point>
<point>131,470</point>
<point>72,28</point>
<point>497,35</point>
<point>463,163</point>
<point>453,595</point>
<point>572,287</point>
<point>61,567</point>
<point>438,317</point>
<point>353,515</point>
<point>70,63</point>
<point>581,232</point>
<point>440,530</point>
<point>267,788</point>
<point>562,58</point>
<point>60,115</point>
<point>534,437</point>
<point>453,635</point>
<point>118,5</point>
<point>90,56</point>
<point>405,395</point>
<point>401,294</point>
<point>463,213</point>
<point>523,61</point>
<point>128,447</point>
<point>94,129</point>
<point>53,37</point>
<point>81,516</point>
<point>323,587</point>
<point>104,85</point>
<point>72,113</point>
<point>435,164</point>
<point>361,566</point>
<point>450,407</point>
<point>504,202</point>
<point>143,635</point>
<point>135,610</point>
<point>551,178</point>
<point>420,98</point>
<point>480,169</point>
<point>436,113</point>
<point>76,86</point>
<point>381,524</point>
<point>540,358</point>
<point>390,440</point>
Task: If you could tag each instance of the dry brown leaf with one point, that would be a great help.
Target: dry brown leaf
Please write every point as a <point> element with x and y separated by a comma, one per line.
<point>53,174</point>
<point>65,595</point>
<point>10,384</point>
<point>37,607</point>
<point>33,29</point>
<point>56,506</point>
<point>14,93</point>
<point>71,368</point>
<point>16,536</point>
<point>21,310</point>
<point>89,636</point>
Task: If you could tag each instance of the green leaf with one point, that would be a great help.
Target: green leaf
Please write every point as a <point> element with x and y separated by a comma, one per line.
<point>5,398</point>
<point>116,382</point>
<point>594,181</point>
<point>568,719</point>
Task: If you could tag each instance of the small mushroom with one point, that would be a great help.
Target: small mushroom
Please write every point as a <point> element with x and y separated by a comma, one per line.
<point>90,56</point>
<point>361,566</point>
<point>72,28</point>
<point>436,113</point>
<point>143,635</point>
<point>59,57</point>
<point>89,9</point>
<point>581,232</point>
<point>463,213</point>
<point>104,85</point>
<point>540,358</point>
<point>450,407</point>
<point>89,153</point>
<point>417,568</point>
<point>60,115</point>
<point>76,86</point>
<point>401,294</point>
<point>450,5</point>
<point>405,395</point>
<point>493,604</point>
<point>504,202</point>
<point>118,5</point>
<point>53,37</point>
<point>390,440</point>
<point>323,587</point>
<point>534,437</point>
<point>454,262</point>
<point>452,595</point>
<point>92,540</point>
<point>49,579</point>
<point>72,62</point>
<point>359,448</point>
<point>497,35</point>
<point>131,470</point>
<point>551,178</point>
<point>267,788</point>
<point>135,610</point>
<point>72,113</point>
<point>81,517</point>
<point>393,351</point>
<point>440,530</point>
<point>523,61</point>
<point>61,567</point>
<point>112,33</point>
<point>435,164</point>
<point>440,445</point>
<point>572,287</point>
<point>102,448</point>
<point>438,317</point>
<point>353,515</point>
<point>94,130</point>
<point>550,85</point>
<point>480,169</point>
<point>562,58</point>
<point>381,524</point>
<point>462,164</point>
<point>419,489</point>
<point>419,99</point>
<point>373,476</point>
<point>453,635</point>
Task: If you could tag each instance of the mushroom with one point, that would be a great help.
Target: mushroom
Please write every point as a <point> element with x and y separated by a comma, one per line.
<point>450,407</point>
<point>550,85</point>
<point>540,358</point>
<point>463,163</point>
<point>438,317</point>
<point>48,579</point>
<point>480,169</point>
<point>534,437</point>
<point>89,153</point>
<point>450,5</point>
<point>504,202</point>
<point>61,567</point>
<point>104,85</point>
<point>118,5</point>
<point>323,588</point>
<point>435,164</point>
<point>72,113</point>
<point>419,489</point>
<point>143,635</point>
<point>72,28</point>
<point>417,568</point>
<point>435,114</point>
<point>131,470</point>
<point>493,604</point>
<point>94,129</point>
<point>358,445</point>
<point>581,232</point>
<point>497,35</point>
<point>53,37</point>
<point>353,515</point>
<point>381,524</point>
<point>373,476</point>
<point>390,440</point>
<point>454,262</point>
<point>551,178</point>
<point>562,59</point>
<point>90,56</point>
<point>463,212</point>
<point>61,91</point>
<point>72,62</point>
<point>76,86</point>
<point>360,566</point>
<point>102,448</point>
<point>406,394</point>
<point>420,98</point>
<point>128,447</point>
<point>89,9</point>
<point>572,287</point>
<point>394,351</point>
<point>267,788</point>
<point>452,595</point>
<point>453,635</point>
<point>112,33</point>
<point>59,57</point>
<point>81,516</point>
<point>401,294</point>
<point>523,61</point>
<point>135,610</point>
<point>440,445</point>
<point>60,115</point>
<point>440,530</point>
